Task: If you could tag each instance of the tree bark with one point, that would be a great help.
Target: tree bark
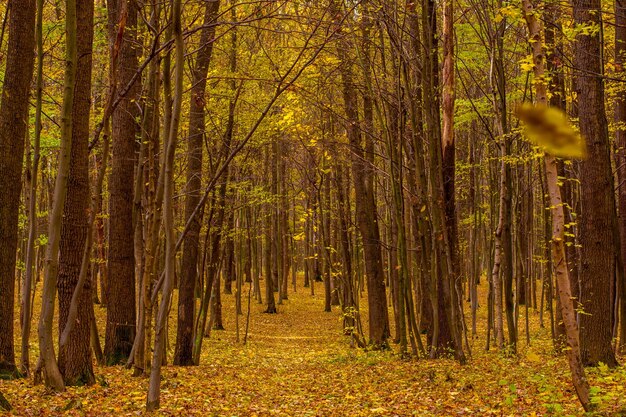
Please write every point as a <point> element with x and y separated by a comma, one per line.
<point>20,62</point>
<point>75,357</point>
<point>598,218</point>
<point>448,171</point>
<point>120,327</point>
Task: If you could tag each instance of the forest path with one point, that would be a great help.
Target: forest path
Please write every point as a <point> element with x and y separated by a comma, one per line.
<point>298,363</point>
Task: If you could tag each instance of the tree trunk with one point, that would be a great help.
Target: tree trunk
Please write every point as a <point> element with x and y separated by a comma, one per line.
<point>620,139</point>
<point>161,328</point>
<point>52,375</point>
<point>366,212</point>
<point>120,327</point>
<point>445,335</point>
<point>598,218</point>
<point>75,357</point>
<point>448,171</point>
<point>269,282</point>
<point>183,354</point>
<point>20,62</point>
<point>30,264</point>
<point>558,219</point>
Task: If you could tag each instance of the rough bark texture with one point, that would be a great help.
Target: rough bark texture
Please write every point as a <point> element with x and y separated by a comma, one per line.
<point>13,124</point>
<point>189,272</point>
<point>598,220</point>
<point>120,328</point>
<point>75,357</point>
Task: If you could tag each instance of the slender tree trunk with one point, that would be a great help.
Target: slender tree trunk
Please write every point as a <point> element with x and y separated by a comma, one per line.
<point>325,248</point>
<point>30,266</point>
<point>212,271</point>
<point>183,354</point>
<point>366,212</point>
<point>620,138</point>
<point>52,375</point>
<point>349,305</point>
<point>496,275</point>
<point>283,213</point>
<point>154,389</point>
<point>558,219</point>
<point>228,267</point>
<point>269,281</point>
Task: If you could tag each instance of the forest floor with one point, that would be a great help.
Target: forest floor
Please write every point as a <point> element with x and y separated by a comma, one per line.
<point>298,363</point>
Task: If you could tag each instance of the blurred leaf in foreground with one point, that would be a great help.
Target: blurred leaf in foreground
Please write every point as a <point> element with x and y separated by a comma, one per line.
<point>550,129</point>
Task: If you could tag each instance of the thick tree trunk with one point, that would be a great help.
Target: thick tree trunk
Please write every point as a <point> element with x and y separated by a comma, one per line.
<point>445,335</point>
<point>20,61</point>
<point>556,88</point>
<point>598,218</point>
<point>75,357</point>
<point>120,328</point>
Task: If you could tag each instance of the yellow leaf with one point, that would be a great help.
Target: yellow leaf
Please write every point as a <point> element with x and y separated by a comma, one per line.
<point>550,129</point>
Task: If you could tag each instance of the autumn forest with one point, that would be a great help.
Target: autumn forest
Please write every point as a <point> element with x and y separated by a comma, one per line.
<point>313,208</point>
